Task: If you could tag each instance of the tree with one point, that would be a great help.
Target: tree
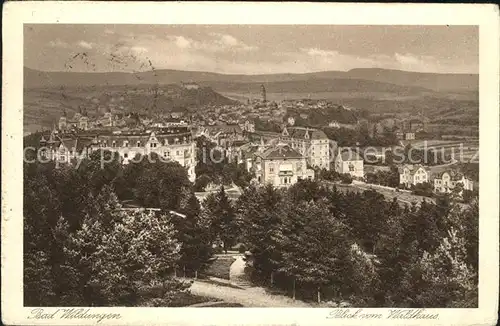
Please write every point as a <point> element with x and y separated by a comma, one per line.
<point>120,266</point>
<point>220,213</point>
<point>444,278</point>
<point>196,246</point>
<point>314,247</point>
<point>99,169</point>
<point>423,189</point>
<point>260,211</point>
<point>161,184</point>
<point>466,222</point>
<point>346,178</point>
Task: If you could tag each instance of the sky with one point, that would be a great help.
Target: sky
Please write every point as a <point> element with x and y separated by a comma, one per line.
<point>250,49</point>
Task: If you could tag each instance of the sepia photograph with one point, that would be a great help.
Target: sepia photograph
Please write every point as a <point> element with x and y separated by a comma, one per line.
<point>251,165</point>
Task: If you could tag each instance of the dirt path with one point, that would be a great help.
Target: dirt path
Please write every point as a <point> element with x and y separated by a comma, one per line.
<point>251,297</point>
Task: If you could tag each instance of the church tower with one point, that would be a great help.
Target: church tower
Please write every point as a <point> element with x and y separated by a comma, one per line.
<point>263,93</point>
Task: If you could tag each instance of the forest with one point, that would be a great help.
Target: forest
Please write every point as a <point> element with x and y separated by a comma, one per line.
<point>313,243</point>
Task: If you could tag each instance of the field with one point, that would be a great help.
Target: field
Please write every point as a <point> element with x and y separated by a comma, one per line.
<point>462,151</point>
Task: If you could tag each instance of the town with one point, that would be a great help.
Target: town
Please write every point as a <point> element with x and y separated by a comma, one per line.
<point>280,157</point>
<point>221,166</point>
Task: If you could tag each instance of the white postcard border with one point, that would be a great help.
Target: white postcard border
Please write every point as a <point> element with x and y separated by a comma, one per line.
<point>17,13</point>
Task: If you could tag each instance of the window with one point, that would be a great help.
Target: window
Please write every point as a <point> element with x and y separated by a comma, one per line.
<point>113,144</point>
<point>125,155</point>
<point>351,167</point>
<point>177,153</point>
<point>271,168</point>
<point>125,143</point>
<point>138,144</point>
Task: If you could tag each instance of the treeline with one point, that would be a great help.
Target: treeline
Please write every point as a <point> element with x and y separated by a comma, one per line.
<point>82,249</point>
<point>320,244</point>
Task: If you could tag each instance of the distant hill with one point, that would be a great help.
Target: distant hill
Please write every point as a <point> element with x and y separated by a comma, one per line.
<point>431,81</point>
<point>317,85</point>
<point>437,82</point>
<point>43,106</point>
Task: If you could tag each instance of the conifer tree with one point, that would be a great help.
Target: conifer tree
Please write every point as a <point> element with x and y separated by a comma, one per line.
<point>196,246</point>
<point>260,211</point>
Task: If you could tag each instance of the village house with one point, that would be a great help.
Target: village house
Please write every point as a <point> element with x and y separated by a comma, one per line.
<point>446,181</point>
<point>411,175</point>
<point>281,166</point>
<point>349,161</point>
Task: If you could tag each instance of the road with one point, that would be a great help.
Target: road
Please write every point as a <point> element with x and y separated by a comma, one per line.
<point>251,297</point>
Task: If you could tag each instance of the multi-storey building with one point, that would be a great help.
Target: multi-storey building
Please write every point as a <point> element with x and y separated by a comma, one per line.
<point>64,148</point>
<point>448,180</point>
<point>311,143</point>
<point>170,144</point>
<point>82,121</point>
<point>349,161</point>
<point>411,175</point>
<point>281,166</point>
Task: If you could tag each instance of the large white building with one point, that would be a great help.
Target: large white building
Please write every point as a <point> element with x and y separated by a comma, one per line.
<point>311,143</point>
<point>281,166</point>
<point>349,161</point>
<point>449,180</point>
<point>411,175</point>
<point>171,144</point>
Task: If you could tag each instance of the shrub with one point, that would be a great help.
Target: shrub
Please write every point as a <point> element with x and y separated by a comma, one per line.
<point>346,178</point>
<point>422,189</point>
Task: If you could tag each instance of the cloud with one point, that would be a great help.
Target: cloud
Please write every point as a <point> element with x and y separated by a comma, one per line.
<point>225,53</point>
<point>85,45</point>
<point>57,43</point>
<point>183,42</point>
<point>216,43</point>
<point>139,49</point>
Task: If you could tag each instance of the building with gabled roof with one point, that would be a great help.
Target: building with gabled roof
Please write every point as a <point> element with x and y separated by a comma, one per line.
<point>281,166</point>
<point>413,174</point>
<point>349,161</point>
<point>311,143</point>
<point>446,181</point>
<point>170,144</point>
